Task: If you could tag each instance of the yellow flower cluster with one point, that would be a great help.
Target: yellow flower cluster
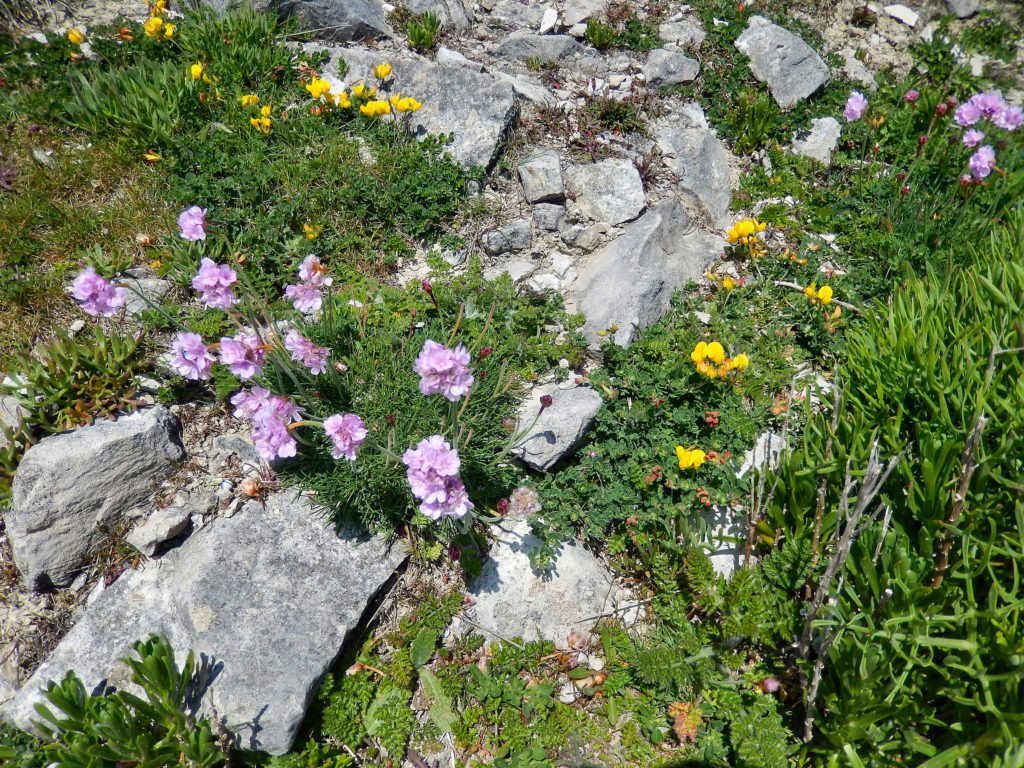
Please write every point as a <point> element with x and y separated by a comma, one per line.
<point>712,362</point>
<point>263,122</point>
<point>375,108</point>
<point>75,36</point>
<point>689,458</point>
<point>744,232</point>
<point>311,231</point>
<point>197,70</point>
<point>404,103</point>
<point>158,29</point>
<point>816,294</point>
<point>382,71</point>
<point>250,100</point>
<point>362,95</point>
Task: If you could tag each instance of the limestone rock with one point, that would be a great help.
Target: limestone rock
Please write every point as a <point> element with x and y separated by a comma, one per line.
<point>523,45</point>
<point>511,599</point>
<point>670,68</point>
<point>903,14</point>
<point>963,9</point>
<point>790,67</point>
<point>630,282</point>
<point>577,11</point>
<point>269,595</point>
<point>820,141</point>
<point>340,20</point>
<point>556,431</point>
<point>517,269</point>
<point>687,33</point>
<point>144,293</point>
<point>541,177</point>
<point>515,236</point>
<point>71,486</point>
<point>452,13</point>
<point>609,190</point>
<point>548,216</point>
<point>162,525</point>
<point>11,415</point>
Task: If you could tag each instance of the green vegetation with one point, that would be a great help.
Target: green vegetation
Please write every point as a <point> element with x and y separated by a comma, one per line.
<point>422,31</point>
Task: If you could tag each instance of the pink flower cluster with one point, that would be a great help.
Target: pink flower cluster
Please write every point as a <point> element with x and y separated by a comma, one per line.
<point>306,296</point>
<point>855,107</point>
<point>243,354</point>
<point>432,468</point>
<point>306,352</point>
<point>190,357</point>
<point>214,282</point>
<point>444,370</point>
<point>347,433</point>
<point>192,223</point>
<point>269,416</point>
<point>96,295</point>
<point>989,105</point>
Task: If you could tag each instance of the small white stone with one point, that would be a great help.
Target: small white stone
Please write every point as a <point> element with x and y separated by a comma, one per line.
<point>549,21</point>
<point>903,14</point>
<point>567,694</point>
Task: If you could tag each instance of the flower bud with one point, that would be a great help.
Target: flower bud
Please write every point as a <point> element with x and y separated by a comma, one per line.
<point>922,140</point>
<point>911,96</point>
<point>390,419</point>
<point>502,507</point>
<point>485,353</point>
<point>770,685</point>
<point>941,109</point>
<point>546,401</point>
<point>454,552</point>
<point>905,191</point>
<point>901,176</point>
<point>427,287</point>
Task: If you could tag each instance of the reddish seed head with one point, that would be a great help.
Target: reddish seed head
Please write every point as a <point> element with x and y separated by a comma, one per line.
<point>901,176</point>
<point>485,353</point>
<point>965,180</point>
<point>905,191</point>
<point>546,401</point>
<point>426,286</point>
<point>454,552</point>
<point>922,140</point>
<point>876,149</point>
<point>951,102</point>
<point>391,419</point>
<point>503,507</point>
<point>941,109</point>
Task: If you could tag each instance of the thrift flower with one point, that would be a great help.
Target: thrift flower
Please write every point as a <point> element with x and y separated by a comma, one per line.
<point>972,137</point>
<point>305,297</point>
<point>306,352</point>
<point>991,103</point>
<point>911,96</point>
<point>250,100</point>
<point>243,354</point>
<point>432,471</point>
<point>270,433</point>
<point>214,281</point>
<point>982,162</point>
<point>347,434</point>
<point>75,36</point>
<point>197,70</point>
<point>444,370</point>
<point>192,224</point>
<point>1009,118</point>
<point>248,402</point>
<point>96,295</point>
<point>382,71</point>
<point>855,107</point>
<point>312,271</point>
<point>967,113</point>
<point>190,357</point>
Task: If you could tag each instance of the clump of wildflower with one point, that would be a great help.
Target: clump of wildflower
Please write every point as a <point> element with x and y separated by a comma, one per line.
<point>156,28</point>
<point>306,352</point>
<point>523,502</point>
<point>248,402</point>
<point>214,282</point>
<point>364,91</point>
<point>375,108</point>
<point>311,231</point>
<point>250,100</point>
<point>96,295</point>
<point>382,71</point>
<point>347,433</point>
<point>405,103</point>
<point>305,297</point>
<point>855,107</point>
<point>263,122</point>
<point>745,232</point>
<point>982,162</point>
<point>689,458</point>
<point>432,469</point>
<point>318,88</point>
<point>269,416</point>
<point>192,224</point>
<point>190,357</point>
<point>816,294</point>
<point>242,354</point>
<point>711,361</point>
<point>312,271</point>
<point>444,370</point>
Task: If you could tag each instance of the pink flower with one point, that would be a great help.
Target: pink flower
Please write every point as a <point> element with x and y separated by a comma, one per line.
<point>191,358</point>
<point>444,370</point>
<point>433,474</point>
<point>967,113</point>
<point>855,107</point>
<point>243,354</point>
<point>347,434</point>
<point>269,416</point>
<point>306,298</point>
<point>990,103</point>
<point>192,223</point>
<point>247,403</point>
<point>214,281</point>
<point>1009,118</point>
<point>911,96</point>
<point>972,137</point>
<point>306,352</point>
<point>96,295</point>
<point>982,162</point>
<point>312,271</point>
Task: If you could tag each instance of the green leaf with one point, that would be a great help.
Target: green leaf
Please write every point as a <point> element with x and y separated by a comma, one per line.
<point>441,707</point>
<point>422,649</point>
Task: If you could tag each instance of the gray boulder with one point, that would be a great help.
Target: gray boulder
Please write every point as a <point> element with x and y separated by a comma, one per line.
<point>820,141</point>
<point>541,177</point>
<point>609,190</point>
<point>511,599</point>
<point>269,596</point>
<point>790,67</point>
<point>670,68</point>
<point>554,433</point>
<point>548,216</point>
<point>71,487</point>
<point>452,13</point>
<point>700,161</point>
<point>687,33</point>
<point>630,282</point>
<point>523,45</point>
<point>577,11</point>
<point>476,109</point>
<point>340,21</point>
<point>515,236</point>
<point>963,9</point>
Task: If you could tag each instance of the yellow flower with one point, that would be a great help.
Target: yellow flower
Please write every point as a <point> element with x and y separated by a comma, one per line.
<point>342,100</point>
<point>265,110</point>
<point>375,108</point>
<point>364,92</point>
<point>157,7</point>
<point>700,352</point>
<point>740,362</point>
<point>728,283</point>
<point>263,123</point>
<point>75,36</point>
<point>407,104</point>
<point>811,291</point>
<point>151,157</point>
<point>318,87</point>
<point>382,71</point>
<point>197,70</point>
<point>312,231</point>
<point>153,26</point>
<point>825,294</point>
<point>689,459</point>
<point>716,352</point>
<point>744,231</point>
<point>168,31</point>
<point>250,100</point>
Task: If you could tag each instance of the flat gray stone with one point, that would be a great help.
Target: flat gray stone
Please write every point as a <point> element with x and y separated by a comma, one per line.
<point>629,283</point>
<point>548,216</point>
<point>452,13</point>
<point>515,236</point>
<point>694,153</point>
<point>577,11</point>
<point>72,486</point>
<point>524,45</point>
<point>609,190</point>
<point>963,9</point>
<point>269,595</point>
<point>554,433</point>
<point>476,109</point>
<point>670,68</point>
<point>820,141</point>
<point>789,66</point>
<point>339,21</point>
<point>527,89</point>
<point>541,177</point>
<point>511,599</point>
<point>687,33</point>
<point>144,293</point>
<point>163,525</point>
<point>517,269</point>
<point>903,14</point>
